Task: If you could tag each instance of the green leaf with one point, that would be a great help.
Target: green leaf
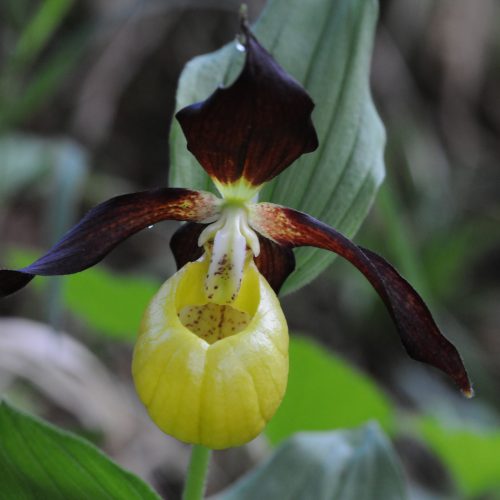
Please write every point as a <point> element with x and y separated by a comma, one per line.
<point>325,392</point>
<point>43,84</point>
<point>472,455</point>
<point>110,303</point>
<point>341,465</point>
<point>327,46</point>
<point>40,28</point>
<point>38,460</point>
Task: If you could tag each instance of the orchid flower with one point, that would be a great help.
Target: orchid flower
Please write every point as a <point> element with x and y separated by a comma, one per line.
<point>211,360</point>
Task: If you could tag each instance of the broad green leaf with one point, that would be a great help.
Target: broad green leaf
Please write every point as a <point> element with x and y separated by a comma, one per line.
<point>342,465</point>
<point>325,392</point>
<point>472,455</point>
<point>38,460</point>
<point>110,303</point>
<point>326,45</point>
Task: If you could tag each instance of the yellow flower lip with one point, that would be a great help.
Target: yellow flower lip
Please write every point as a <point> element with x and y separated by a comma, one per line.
<point>202,389</point>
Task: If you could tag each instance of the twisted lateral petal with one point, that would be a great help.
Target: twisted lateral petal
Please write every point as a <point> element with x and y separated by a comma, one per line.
<point>108,224</point>
<point>274,262</point>
<point>418,331</point>
<point>184,243</point>
<point>254,128</point>
<point>212,374</point>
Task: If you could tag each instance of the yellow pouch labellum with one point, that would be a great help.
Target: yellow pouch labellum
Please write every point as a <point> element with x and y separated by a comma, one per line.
<point>208,373</point>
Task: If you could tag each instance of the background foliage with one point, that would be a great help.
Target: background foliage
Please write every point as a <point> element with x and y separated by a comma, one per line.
<point>87,90</point>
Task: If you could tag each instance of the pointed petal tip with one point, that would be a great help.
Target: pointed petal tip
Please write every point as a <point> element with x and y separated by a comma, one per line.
<point>468,391</point>
<point>418,331</point>
<point>107,225</point>
<point>460,376</point>
<point>12,281</point>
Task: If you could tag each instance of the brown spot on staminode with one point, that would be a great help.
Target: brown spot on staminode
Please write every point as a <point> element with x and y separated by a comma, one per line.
<point>217,321</point>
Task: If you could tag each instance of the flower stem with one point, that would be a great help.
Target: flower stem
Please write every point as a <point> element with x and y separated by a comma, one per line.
<point>197,472</point>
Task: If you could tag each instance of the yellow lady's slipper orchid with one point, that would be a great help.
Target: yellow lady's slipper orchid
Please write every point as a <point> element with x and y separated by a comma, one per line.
<point>211,373</point>
<point>211,360</point>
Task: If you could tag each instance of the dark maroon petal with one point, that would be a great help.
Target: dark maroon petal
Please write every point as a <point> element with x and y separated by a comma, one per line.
<point>275,262</point>
<point>11,281</point>
<point>107,225</point>
<point>418,331</point>
<point>256,127</point>
<point>184,243</point>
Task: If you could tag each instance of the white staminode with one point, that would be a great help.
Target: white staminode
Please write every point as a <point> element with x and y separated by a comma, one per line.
<point>232,237</point>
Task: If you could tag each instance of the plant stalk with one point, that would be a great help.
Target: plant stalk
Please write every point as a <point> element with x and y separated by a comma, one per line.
<point>194,488</point>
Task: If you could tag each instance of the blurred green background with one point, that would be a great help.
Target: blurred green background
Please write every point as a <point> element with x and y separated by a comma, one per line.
<point>87,90</point>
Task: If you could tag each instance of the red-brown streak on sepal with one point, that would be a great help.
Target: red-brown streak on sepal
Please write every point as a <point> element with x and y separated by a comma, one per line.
<point>184,243</point>
<point>106,225</point>
<point>418,331</point>
<point>274,262</point>
<point>254,128</point>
